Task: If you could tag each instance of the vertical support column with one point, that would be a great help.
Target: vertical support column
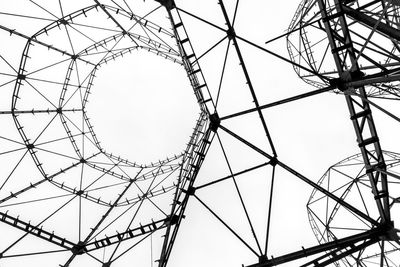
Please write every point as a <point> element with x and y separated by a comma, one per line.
<point>360,113</point>
<point>190,62</point>
<point>201,140</point>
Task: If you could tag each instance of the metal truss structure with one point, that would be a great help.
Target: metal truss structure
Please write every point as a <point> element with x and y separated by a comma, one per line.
<point>65,200</point>
<point>329,222</point>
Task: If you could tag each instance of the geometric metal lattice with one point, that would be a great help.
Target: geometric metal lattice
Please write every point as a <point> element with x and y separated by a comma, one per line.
<point>51,112</point>
<point>235,193</point>
<point>329,221</point>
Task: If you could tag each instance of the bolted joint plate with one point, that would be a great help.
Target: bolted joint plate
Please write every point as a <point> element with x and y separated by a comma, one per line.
<point>168,4</point>
<point>348,76</point>
<point>215,121</point>
<point>173,219</point>
<point>391,233</point>
<point>79,248</point>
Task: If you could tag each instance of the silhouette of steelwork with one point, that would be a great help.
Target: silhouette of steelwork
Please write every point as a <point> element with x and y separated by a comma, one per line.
<point>59,174</point>
<point>348,179</point>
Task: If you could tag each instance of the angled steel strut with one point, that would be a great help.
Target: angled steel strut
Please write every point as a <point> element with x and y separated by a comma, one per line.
<point>209,119</point>
<point>360,112</point>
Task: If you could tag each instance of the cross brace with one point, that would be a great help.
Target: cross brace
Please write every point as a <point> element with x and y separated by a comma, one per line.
<point>360,112</point>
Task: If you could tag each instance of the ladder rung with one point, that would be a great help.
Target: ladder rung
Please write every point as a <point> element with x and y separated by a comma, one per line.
<point>195,71</point>
<point>340,48</point>
<point>374,167</point>
<point>206,141</point>
<point>360,114</point>
<point>184,40</point>
<point>199,87</point>
<point>368,141</point>
<point>333,16</point>
<point>381,194</point>
<point>178,25</point>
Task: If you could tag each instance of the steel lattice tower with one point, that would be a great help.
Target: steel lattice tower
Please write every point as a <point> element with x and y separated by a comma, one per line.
<point>65,200</point>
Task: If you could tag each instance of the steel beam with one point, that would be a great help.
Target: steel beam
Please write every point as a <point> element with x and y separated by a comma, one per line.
<point>203,139</point>
<point>369,21</point>
<point>345,244</point>
<point>129,234</point>
<point>348,69</point>
<point>36,231</point>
